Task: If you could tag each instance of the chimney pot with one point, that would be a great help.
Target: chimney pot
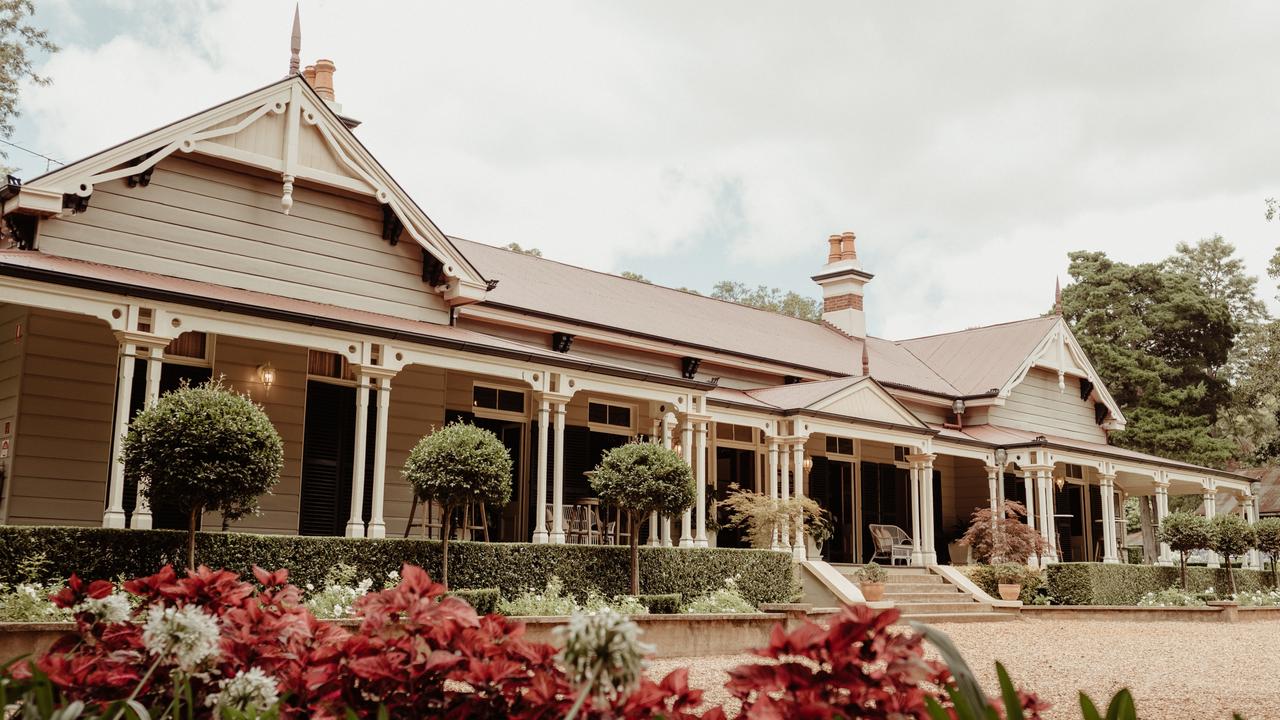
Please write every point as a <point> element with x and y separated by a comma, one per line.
<point>323,84</point>
<point>847,251</point>
<point>833,254</point>
<point>309,74</point>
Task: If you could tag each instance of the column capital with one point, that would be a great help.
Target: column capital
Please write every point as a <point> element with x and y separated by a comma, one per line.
<point>132,340</point>
<point>921,459</point>
<point>554,398</point>
<point>373,372</point>
<point>1209,485</point>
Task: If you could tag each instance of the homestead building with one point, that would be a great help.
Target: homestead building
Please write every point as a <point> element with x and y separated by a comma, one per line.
<point>260,242</point>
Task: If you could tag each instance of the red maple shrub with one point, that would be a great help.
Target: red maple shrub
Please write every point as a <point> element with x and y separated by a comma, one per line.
<point>419,653</point>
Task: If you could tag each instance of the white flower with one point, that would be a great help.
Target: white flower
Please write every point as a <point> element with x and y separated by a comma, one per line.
<point>603,648</point>
<point>185,636</point>
<point>310,587</point>
<point>111,609</point>
<point>252,691</point>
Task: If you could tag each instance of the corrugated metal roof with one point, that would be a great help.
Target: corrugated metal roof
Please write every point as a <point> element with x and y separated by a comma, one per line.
<point>1269,493</point>
<point>801,395</point>
<point>547,287</point>
<point>981,359</point>
<point>210,292</point>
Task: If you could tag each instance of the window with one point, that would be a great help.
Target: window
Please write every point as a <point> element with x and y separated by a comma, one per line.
<point>1075,472</point>
<point>839,445</point>
<point>328,365</point>
<point>736,433</point>
<point>900,453</point>
<point>189,346</point>
<point>496,400</point>
<point>609,416</point>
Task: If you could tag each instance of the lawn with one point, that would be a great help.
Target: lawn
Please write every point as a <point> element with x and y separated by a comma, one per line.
<point>1201,670</point>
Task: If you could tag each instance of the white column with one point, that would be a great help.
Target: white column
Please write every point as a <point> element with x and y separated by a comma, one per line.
<point>113,517</point>
<point>1049,527</point>
<point>377,518</point>
<point>540,535</point>
<point>1029,480</point>
<point>141,519</point>
<point>700,477</point>
<point>917,530</point>
<point>784,480</point>
<point>1209,492</point>
<point>1106,488</point>
<point>686,449</point>
<point>1164,555</point>
<point>557,478</point>
<point>993,491</point>
<point>929,551</point>
<point>773,483</point>
<point>355,522</point>
<point>1251,516</point>
<point>799,548</point>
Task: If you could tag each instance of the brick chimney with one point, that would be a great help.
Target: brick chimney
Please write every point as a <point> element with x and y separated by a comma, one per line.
<point>842,280</point>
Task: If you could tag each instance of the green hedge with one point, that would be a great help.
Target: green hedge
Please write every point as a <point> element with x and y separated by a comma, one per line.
<point>984,577</point>
<point>762,575</point>
<point>1099,584</point>
<point>668,604</point>
<point>484,600</point>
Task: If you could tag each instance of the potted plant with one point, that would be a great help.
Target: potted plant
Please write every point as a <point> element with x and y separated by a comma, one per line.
<point>871,579</point>
<point>1009,579</point>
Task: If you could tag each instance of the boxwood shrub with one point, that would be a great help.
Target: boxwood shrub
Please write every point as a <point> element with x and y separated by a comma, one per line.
<point>762,575</point>
<point>667,604</point>
<point>484,600</point>
<point>1099,584</point>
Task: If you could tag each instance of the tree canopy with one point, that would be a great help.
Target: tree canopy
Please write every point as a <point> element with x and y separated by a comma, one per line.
<point>19,40</point>
<point>1160,343</point>
<point>771,299</point>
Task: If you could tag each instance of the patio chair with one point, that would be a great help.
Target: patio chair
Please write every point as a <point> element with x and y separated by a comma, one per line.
<point>892,542</point>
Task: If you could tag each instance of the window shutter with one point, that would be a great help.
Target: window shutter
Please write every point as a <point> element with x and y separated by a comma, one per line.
<point>327,458</point>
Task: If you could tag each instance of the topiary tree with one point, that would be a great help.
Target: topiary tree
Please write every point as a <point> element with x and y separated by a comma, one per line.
<point>1185,533</point>
<point>457,465</point>
<point>1267,532</point>
<point>203,448</point>
<point>642,478</point>
<point>1231,536</point>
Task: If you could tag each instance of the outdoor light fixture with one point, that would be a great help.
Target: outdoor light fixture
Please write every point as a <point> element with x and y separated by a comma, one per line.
<point>808,464</point>
<point>267,374</point>
<point>677,449</point>
<point>1002,457</point>
<point>1059,481</point>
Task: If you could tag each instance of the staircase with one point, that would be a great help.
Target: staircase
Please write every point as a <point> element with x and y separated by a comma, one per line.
<point>926,597</point>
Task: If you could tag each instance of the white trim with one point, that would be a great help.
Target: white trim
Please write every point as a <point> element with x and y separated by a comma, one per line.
<point>494,413</point>
<point>628,430</point>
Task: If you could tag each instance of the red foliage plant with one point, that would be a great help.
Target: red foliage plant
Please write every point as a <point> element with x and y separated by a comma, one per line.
<point>419,653</point>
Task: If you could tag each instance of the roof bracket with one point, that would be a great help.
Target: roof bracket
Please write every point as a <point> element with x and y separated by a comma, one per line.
<point>75,203</point>
<point>432,269</point>
<point>1100,412</point>
<point>22,228</point>
<point>143,178</point>
<point>561,342</point>
<point>1086,387</point>
<point>392,226</point>
<point>689,367</point>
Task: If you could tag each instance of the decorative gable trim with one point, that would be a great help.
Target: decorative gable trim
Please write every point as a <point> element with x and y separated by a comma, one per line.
<point>872,401</point>
<point>1060,352</point>
<point>280,114</point>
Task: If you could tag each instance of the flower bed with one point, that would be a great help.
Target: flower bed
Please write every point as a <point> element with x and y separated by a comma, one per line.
<point>762,575</point>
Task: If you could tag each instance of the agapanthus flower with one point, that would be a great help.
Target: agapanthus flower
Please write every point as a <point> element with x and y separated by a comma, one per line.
<point>113,608</point>
<point>186,636</point>
<point>603,649</point>
<point>252,691</point>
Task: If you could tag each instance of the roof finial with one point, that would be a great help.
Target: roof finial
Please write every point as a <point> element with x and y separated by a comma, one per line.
<point>295,44</point>
<point>1057,297</point>
<point>866,359</point>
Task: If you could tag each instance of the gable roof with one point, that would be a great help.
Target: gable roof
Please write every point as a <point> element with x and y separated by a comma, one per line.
<point>983,359</point>
<point>860,398</point>
<point>284,128</point>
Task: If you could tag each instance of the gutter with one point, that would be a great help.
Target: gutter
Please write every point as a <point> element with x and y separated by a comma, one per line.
<point>1160,462</point>
<point>78,281</point>
<point>774,410</point>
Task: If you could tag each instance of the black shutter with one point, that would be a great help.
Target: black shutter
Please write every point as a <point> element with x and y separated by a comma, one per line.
<point>577,462</point>
<point>327,457</point>
<point>939,531</point>
<point>818,486</point>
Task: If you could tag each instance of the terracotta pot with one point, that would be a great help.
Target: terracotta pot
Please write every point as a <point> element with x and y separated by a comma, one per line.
<point>872,592</point>
<point>1010,591</point>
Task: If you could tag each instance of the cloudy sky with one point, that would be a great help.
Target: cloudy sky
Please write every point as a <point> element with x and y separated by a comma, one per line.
<point>969,145</point>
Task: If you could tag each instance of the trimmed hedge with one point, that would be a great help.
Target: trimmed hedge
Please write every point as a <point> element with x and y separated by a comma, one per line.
<point>984,577</point>
<point>484,600</point>
<point>668,604</point>
<point>763,576</point>
<point>1099,584</point>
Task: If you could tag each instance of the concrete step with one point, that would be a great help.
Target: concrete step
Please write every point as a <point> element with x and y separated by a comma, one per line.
<point>897,578</point>
<point>962,617</point>
<point>933,608</point>
<point>895,588</point>
<point>948,595</point>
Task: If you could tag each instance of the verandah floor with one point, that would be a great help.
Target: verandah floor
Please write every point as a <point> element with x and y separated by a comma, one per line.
<point>1174,669</point>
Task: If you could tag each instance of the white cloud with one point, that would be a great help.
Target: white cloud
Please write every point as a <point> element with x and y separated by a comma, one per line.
<point>970,146</point>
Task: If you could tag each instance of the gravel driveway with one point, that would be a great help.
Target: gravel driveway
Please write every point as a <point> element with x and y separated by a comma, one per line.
<point>1201,670</point>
